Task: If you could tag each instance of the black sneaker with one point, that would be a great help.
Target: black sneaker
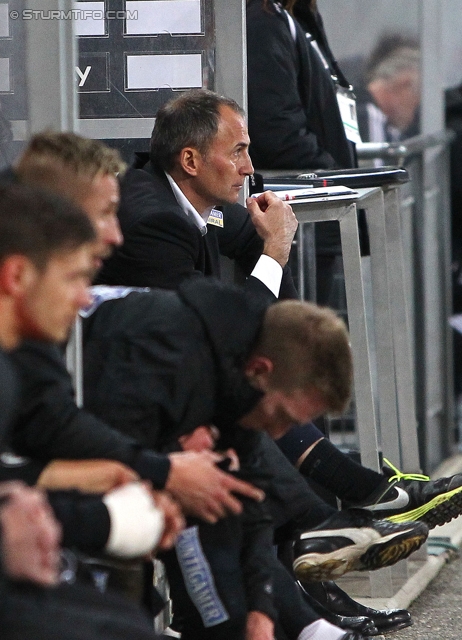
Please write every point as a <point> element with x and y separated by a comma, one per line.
<point>352,540</point>
<point>408,497</point>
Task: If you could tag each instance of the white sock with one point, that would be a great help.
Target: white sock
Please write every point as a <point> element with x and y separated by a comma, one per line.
<point>321,630</point>
<point>136,523</point>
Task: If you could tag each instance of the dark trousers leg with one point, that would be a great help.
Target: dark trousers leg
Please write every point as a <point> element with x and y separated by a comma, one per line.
<point>290,500</point>
<point>294,614</point>
<point>298,439</point>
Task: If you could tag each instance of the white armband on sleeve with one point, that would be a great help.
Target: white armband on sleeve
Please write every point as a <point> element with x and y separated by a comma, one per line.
<point>321,630</point>
<point>269,271</point>
<point>136,523</point>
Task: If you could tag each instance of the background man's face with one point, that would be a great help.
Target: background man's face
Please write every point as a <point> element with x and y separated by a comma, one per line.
<point>226,164</point>
<point>397,98</point>
<point>52,297</point>
<point>100,200</point>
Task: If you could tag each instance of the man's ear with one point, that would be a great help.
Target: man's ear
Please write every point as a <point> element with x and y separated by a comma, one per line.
<point>17,275</point>
<point>189,160</point>
<point>258,370</point>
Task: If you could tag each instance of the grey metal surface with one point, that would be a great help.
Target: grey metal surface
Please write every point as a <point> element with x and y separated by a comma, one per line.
<point>401,150</point>
<point>345,212</point>
<point>51,60</point>
<point>116,128</point>
<point>365,407</point>
<point>425,235</point>
<point>409,459</point>
<point>231,52</point>
<point>382,298</point>
<point>432,99</point>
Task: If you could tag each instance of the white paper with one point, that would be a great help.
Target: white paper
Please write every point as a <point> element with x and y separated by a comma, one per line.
<point>4,21</point>
<point>310,192</point>
<point>456,322</point>
<point>5,74</point>
<point>163,16</point>
<point>90,19</point>
<point>175,71</point>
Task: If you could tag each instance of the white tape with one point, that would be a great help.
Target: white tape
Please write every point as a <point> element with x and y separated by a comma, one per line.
<point>136,523</point>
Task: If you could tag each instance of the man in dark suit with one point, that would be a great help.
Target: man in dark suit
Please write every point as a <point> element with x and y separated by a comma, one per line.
<point>171,229</point>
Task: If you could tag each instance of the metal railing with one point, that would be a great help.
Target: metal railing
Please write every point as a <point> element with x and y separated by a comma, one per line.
<point>426,239</point>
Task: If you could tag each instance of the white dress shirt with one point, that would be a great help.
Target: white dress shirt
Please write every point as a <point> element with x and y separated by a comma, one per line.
<point>267,269</point>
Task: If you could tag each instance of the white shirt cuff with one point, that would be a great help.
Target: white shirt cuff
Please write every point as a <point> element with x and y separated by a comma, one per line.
<point>269,272</point>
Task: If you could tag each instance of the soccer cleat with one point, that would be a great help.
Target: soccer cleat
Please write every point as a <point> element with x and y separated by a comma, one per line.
<point>408,497</point>
<point>352,540</point>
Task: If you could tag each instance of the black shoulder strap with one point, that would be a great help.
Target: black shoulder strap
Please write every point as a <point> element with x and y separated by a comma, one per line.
<point>313,23</point>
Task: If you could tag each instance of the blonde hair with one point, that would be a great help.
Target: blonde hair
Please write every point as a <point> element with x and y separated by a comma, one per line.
<point>56,160</point>
<point>309,348</point>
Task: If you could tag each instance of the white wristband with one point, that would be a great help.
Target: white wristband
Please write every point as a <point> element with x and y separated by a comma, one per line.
<point>136,523</point>
<point>321,630</point>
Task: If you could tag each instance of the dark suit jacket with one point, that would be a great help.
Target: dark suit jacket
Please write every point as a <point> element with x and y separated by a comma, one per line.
<point>294,119</point>
<point>162,246</point>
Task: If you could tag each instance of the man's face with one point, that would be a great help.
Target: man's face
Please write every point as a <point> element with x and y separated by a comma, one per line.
<point>51,298</point>
<point>278,411</point>
<point>100,201</point>
<point>222,171</point>
<point>397,98</point>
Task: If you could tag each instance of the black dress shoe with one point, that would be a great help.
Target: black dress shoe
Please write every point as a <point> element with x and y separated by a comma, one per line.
<point>337,601</point>
<point>361,624</point>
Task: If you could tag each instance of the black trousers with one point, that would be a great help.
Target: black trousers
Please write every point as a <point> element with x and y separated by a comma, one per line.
<point>290,499</point>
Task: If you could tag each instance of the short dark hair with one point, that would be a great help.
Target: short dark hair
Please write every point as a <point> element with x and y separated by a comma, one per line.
<point>38,224</point>
<point>309,347</point>
<point>191,120</point>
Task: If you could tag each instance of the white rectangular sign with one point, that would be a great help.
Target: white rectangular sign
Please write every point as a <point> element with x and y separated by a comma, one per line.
<point>5,74</point>
<point>90,19</point>
<point>153,17</point>
<point>4,21</point>
<point>174,71</point>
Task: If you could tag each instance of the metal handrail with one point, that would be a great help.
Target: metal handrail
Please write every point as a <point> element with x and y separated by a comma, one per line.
<point>403,148</point>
